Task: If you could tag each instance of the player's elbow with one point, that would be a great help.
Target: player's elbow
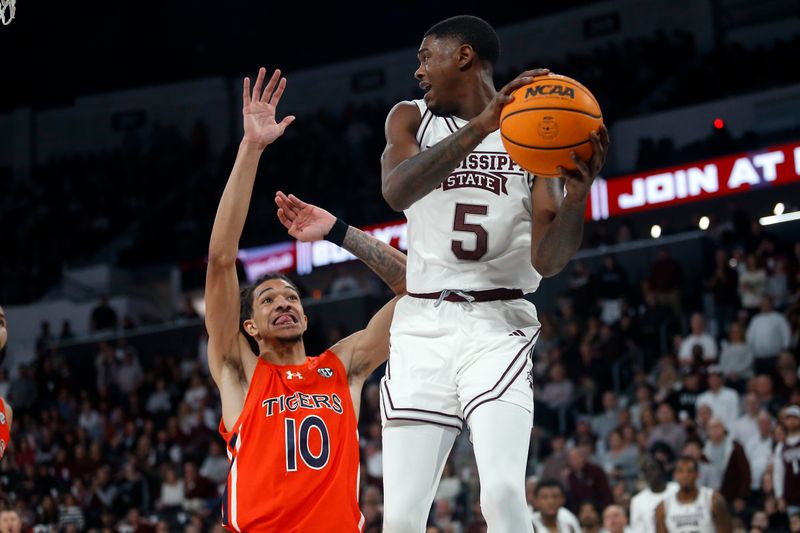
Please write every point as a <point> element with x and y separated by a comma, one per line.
<point>399,288</point>
<point>546,269</point>
<point>393,198</point>
<point>394,193</point>
<point>218,258</point>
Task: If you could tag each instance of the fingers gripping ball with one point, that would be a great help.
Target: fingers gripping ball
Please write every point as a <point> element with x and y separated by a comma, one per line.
<point>547,119</point>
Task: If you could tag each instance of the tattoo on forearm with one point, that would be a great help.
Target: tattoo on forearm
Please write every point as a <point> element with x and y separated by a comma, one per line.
<point>429,168</point>
<point>564,236</point>
<point>383,259</point>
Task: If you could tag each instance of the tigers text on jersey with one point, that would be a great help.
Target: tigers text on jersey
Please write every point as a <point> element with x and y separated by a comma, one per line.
<point>473,232</point>
<point>294,452</point>
<point>693,517</point>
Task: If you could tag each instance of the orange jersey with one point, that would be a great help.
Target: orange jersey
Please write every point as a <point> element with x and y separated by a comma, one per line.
<point>5,431</point>
<point>294,452</point>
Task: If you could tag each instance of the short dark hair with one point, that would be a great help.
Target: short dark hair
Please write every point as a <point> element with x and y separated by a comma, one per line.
<point>689,459</point>
<point>246,311</point>
<point>549,484</point>
<point>473,31</point>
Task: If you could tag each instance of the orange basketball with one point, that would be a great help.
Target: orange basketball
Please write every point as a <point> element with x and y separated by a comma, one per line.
<point>547,119</point>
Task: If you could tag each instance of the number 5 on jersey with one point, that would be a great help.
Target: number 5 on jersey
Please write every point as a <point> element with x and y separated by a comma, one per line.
<point>294,437</point>
<point>481,235</point>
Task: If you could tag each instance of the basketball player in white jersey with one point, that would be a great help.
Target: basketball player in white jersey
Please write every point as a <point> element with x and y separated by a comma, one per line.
<point>643,504</point>
<point>481,234</point>
<point>692,509</point>
<point>551,516</point>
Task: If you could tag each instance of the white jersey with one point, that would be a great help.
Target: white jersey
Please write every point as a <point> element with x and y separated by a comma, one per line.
<point>643,508</point>
<point>473,232</point>
<point>565,521</point>
<point>694,517</point>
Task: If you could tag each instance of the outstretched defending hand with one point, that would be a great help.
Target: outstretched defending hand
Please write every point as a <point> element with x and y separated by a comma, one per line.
<point>258,110</point>
<point>305,222</point>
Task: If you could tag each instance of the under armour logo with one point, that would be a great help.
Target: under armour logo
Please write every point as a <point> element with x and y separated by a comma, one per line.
<point>516,333</point>
<point>325,372</point>
<point>292,375</point>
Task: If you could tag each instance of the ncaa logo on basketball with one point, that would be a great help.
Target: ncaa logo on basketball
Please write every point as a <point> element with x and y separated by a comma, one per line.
<point>325,372</point>
<point>550,90</point>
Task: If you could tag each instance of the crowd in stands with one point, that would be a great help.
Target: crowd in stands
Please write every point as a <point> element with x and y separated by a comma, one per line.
<point>639,66</point>
<point>627,372</point>
<point>157,193</point>
<point>718,74</point>
<point>661,152</point>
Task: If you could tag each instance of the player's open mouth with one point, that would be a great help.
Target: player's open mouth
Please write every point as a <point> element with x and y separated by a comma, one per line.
<point>425,86</point>
<point>284,319</point>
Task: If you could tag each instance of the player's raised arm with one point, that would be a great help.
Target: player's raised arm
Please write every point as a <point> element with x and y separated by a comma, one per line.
<point>222,286</point>
<point>557,226</point>
<point>364,350</point>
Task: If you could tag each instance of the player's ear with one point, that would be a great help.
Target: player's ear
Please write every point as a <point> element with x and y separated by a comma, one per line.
<point>250,327</point>
<point>465,56</point>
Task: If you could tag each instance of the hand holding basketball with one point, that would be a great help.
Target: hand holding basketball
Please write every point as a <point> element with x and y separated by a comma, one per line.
<point>305,222</point>
<point>552,123</point>
<point>489,119</point>
<point>259,110</point>
<point>579,181</point>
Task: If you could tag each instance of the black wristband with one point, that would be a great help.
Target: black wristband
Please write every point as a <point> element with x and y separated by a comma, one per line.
<point>338,232</point>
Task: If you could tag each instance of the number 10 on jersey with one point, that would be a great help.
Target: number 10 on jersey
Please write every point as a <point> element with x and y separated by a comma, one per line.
<point>297,443</point>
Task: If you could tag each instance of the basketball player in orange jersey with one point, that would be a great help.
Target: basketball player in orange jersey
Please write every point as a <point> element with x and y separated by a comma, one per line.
<point>481,233</point>
<point>289,420</point>
<point>6,414</point>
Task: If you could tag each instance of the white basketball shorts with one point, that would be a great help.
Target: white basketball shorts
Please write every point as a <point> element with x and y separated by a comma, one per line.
<point>446,360</point>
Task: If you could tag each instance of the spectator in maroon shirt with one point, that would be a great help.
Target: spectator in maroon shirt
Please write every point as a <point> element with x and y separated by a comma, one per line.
<point>586,481</point>
<point>197,489</point>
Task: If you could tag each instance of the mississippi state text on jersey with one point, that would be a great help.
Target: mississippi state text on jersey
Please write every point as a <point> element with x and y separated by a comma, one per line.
<point>473,232</point>
<point>692,517</point>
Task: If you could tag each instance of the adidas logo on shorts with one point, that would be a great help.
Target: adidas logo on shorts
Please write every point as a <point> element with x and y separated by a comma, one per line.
<point>516,333</point>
